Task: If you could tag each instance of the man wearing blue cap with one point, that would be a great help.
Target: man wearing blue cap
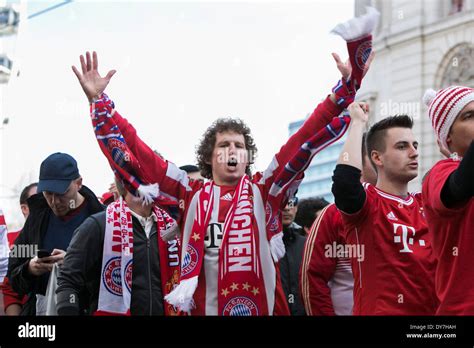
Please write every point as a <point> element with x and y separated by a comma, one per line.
<point>61,205</point>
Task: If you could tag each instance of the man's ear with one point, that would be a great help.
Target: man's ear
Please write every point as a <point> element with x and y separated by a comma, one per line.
<point>376,158</point>
<point>306,229</point>
<point>24,209</point>
<point>79,182</point>
<point>449,140</point>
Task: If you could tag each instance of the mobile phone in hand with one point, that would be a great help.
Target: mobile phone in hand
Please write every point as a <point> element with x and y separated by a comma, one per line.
<point>43,253</point>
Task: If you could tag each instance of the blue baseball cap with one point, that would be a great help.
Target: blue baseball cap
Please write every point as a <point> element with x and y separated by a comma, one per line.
<point>56,173</point>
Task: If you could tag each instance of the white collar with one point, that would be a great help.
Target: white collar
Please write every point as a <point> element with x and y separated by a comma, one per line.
<point>144,220</point>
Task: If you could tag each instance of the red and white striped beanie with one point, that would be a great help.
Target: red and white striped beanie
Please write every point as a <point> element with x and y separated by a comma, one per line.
<point>444,106</point>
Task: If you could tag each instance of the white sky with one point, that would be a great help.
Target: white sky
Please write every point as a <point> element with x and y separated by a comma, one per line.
<point>180,66</point>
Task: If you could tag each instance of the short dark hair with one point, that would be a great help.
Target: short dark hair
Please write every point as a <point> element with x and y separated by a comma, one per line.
<point>206,147</point>
<point>376,134</point>
<point>24,195</point>
<point>364,147</point>
<point>307,209</point>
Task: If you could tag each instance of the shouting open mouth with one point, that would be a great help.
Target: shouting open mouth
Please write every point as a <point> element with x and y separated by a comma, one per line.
<point>232,162</point>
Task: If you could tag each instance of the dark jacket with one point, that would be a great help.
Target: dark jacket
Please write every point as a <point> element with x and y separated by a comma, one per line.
<point>290,267</point>
<point>83,263</point>
<point>32,235</point>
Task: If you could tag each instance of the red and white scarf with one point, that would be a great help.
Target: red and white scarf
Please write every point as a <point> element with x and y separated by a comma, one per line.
<point>121,159</point>
<point>241,289</point>
<point>357,33</point>
<point>117,260</point>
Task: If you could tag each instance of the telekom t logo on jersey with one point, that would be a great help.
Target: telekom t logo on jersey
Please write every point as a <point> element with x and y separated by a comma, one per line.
<point>405,234</point>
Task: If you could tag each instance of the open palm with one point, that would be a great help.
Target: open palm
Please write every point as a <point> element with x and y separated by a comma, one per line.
<point>91,81</point>
<point>346,69</point>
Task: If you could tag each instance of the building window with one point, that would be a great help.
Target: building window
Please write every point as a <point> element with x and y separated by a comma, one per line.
<point>456,6</point>
<point>457,67</point>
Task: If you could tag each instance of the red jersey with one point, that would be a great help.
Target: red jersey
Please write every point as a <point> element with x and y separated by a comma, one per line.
<point>326,276</point>
<point>453,238</point>
<point>394,265</point>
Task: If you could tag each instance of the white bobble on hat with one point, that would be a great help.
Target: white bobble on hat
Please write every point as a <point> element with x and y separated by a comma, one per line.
<point>428,97</point>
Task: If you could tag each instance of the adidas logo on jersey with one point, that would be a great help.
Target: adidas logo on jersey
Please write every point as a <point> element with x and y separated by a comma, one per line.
<point>391,216</point>
<point>227,197</point>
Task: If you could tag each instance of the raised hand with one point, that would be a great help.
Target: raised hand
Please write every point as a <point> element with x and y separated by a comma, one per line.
<point>91,81</point>
<point>346,68</point>
<point>351,154</point>
<point>359,111</point>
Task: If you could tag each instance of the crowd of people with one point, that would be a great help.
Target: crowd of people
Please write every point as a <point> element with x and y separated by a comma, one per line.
<point>217,239</point>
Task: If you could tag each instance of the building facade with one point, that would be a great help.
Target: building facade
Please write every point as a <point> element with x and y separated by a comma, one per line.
<point>419,45</point>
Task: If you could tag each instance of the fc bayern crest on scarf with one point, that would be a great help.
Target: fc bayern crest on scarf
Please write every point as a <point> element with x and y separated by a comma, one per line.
<point>240,306</point>
<point>111,276</point>
<point>190,260</point>
<point>128,275</point>
<point>119,152</point>
<point>272,220</point>
<point>362,53</point>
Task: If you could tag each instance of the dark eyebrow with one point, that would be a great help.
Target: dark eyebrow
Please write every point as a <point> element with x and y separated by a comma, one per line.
<point>406,143</point>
